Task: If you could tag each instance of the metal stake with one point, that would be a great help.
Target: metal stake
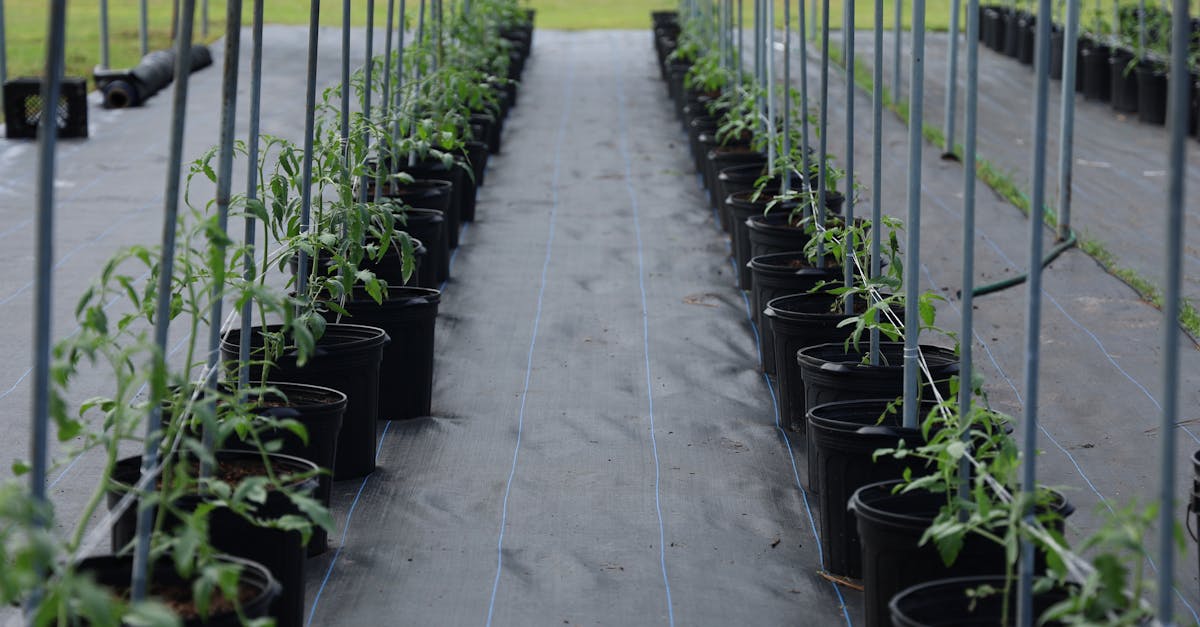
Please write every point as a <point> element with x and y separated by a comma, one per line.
<point>387,95</point>
<point>249,271</point>
<point>877,164</point>
<point>1034,315</point>
<point>310,105</point>
<point>233,40</point>
<point>1066,138</point>
<point>912,253</point>
<point>3,51</point>
<point>786,177</point>
<point>804,165</point>
<point>952,79</point>
<point>769,76</point>
<point>204,19</point>
<point>823,127</point>
<point>345,109</point>
<point>898,32</point>
<point>162,317</point>
<point>848,41</point>
<point>812,31</point>
<point>44,267</point>
<point>1178,86</point>
<point>370,41</point>
<point>741,26</point>
<point>104,57</point>
<point>143,27</point>
<point>398,94</point>
<point>967,335</point>
<point>1141,27</point>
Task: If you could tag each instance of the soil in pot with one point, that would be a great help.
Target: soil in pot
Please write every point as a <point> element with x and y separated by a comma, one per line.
<point>408,315</point>
<point>890,527</point>
<point>782,274</point>
<point>946,603</point>
<point>1122,81</point>
<point>1096,73</point>
<point>845,436</point>
<point>347,359</point>
<point>1152,93</point>
<point>281,552</point>
<point>799,321</point>
<point>257,589</point>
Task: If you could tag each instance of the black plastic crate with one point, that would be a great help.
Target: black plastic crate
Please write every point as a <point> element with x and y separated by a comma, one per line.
<point>23,108</point>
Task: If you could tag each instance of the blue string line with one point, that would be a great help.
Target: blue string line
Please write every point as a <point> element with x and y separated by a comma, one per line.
<point>637,229</point>
<point>378,450</point>
<point>512,472</point>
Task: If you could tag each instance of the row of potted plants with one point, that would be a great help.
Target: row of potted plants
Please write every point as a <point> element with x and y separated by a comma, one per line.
<point>1115,62</point>
<point>930,518</point>
<point>243,446</point>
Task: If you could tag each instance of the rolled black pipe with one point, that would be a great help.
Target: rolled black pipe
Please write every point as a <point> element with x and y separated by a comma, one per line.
<point>131,88</point>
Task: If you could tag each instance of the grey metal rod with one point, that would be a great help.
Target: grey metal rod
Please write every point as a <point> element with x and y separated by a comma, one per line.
<point>3,50</point>
<point>310,105</point>
<point>251,224</point>
<point>769,77</point>
<point>367,70</point>
<point>741,25</point>
<point>786,175</point>
<point>345,108</point>
<point>823,127</point>
<point>1034,314</point>
<point>143,27</point>
<point>44,263</point>
<point>898,37</point>
<point>804,165</point>
<point>952,79</point>
<point>1178,86</point>
<point>233,41</point>
<point>967,334</point>
<point>204,19</point>
<point>1141,27</point>
<point>162,316</point>
<point>848,40</point>
<point>398,94</point>
<point>412,154</point>
<point>877,164</point>
<point>912,252</point>
<point>104,55</point>
<point>1066,138</point>
<point>812,32</point>
<point>387,95</point>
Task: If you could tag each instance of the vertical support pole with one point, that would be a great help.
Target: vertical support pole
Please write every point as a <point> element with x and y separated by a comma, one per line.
<point>249,271</point>
<point>310,106</point>
<point>851,92</point>
<point>758,64</point>
<point>786,175</point>
<point>381,160</point>
<point>162,317</point>
<point>897,40</point>
<point>741,27</point>
<point>104,55</point>
<point>769,77</point>
<point>1034,315</point>
<point>143,27</point>
<point>3,51</point>
<point>812,31</point>
<point>369,87</point>
<point>345,107</point>
<point>805,171</point>
<point>399,93</point>
<point>877,164</point>
<point>823,127</point>
<point>44,268</point>
<point>204,20</point>
<point>1178,88</point>
<point>912,250</point>
<point>1141,27</point>
<point>412,155</point>
<point>952,80</point>
<point>967,334</point>
<point>233,41</point>
<point>1066,138</point>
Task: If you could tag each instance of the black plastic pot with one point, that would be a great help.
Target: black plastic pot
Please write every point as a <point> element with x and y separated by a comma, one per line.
<point>490,131</point>
<point>408,316</point>
<point>429,226</point>
<point>1152,93</point>
<point>994,21</point>
<point>1083,43</point>
<point>1027,36</point>
<point>733,170</point>
<point>1095,72</point>
<point>1012,33</point>
<point>1056,52</point>
<point>774,233</point>
<point>890,527</point>
<point>347,359</point>
<point>721,157</point>
<point>742,205</point>
<point>477,156</point>
<point>946,603</point>
<point>453,174</point>
<point>321,411</point>
<point>844,437</point>
<point>831,373</point>
<point>116,572</point>
<point>781,274</point>
<point>280,551</point>
<point>799,321</point>
<point>697,126</point>
<point>1122,81</point>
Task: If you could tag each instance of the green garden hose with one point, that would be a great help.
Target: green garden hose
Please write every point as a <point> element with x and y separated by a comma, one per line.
<point>1020,278</point>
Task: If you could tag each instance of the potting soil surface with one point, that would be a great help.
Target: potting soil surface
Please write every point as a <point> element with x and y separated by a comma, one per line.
<point>604,449</point>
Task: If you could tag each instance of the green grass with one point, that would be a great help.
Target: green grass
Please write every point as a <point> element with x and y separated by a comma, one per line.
<point>1003,184</point>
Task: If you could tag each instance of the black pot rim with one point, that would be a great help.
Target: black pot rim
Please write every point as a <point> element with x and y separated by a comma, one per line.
<point>763,264</point>
<point>811,356</point>
<point>852,426</point>
<point>285,386</point>
<point>366,336</point>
